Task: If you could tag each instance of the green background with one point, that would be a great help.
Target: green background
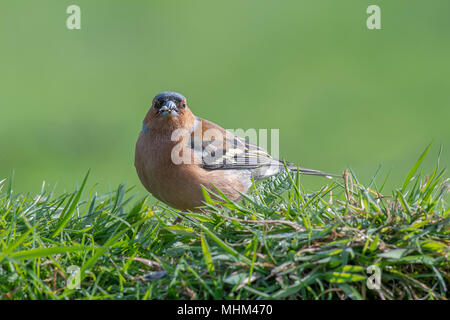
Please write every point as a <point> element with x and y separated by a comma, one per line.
<point>341,95</point>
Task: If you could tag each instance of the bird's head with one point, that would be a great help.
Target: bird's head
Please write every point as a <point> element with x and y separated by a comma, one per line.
<point>169,110</point>
<point>168,104</point>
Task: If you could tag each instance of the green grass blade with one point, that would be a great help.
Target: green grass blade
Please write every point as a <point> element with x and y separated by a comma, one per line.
<point>415,167</point>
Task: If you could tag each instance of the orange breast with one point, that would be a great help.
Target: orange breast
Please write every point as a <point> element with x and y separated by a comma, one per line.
<point>179,185</point>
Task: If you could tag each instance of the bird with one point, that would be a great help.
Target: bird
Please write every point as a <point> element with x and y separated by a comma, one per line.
<point>177,154</point>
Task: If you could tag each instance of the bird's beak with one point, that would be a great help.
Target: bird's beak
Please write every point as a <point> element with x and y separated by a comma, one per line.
<point>169,108</point>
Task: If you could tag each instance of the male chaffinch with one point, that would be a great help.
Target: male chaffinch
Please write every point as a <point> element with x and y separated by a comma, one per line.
<point>177,153</point>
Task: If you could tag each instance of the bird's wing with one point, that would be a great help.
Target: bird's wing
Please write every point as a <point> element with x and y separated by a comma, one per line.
<point>222,150</point>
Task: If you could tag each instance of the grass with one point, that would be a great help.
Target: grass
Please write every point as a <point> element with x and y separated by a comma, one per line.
<point>279,242</point>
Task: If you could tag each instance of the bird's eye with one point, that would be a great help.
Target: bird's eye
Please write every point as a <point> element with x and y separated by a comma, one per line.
<point>157,105</point>
<point>183,105</point>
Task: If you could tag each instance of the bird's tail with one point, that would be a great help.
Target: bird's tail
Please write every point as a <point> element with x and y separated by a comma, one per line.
<point>313,172</point>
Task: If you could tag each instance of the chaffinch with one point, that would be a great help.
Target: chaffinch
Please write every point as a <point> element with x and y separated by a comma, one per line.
<point>177,153</point>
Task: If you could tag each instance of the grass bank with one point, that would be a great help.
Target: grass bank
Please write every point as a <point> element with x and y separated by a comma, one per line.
<point>280,242</point>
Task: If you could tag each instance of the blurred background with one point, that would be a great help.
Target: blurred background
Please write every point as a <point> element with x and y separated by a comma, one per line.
<point>341,95</point>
